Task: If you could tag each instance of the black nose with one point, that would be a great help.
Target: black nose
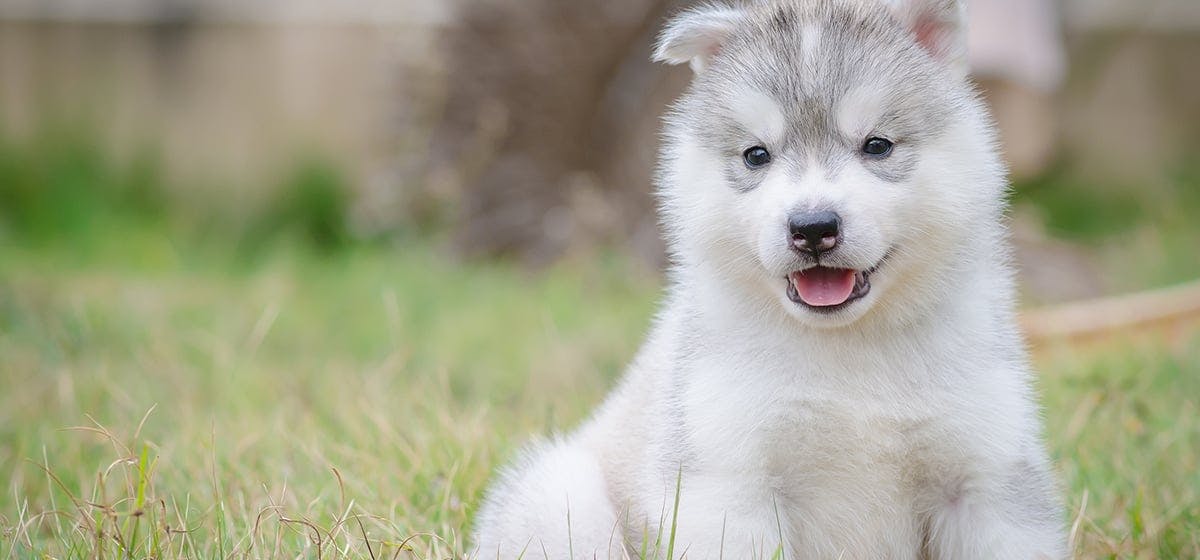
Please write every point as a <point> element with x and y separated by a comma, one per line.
<point>815,232</point>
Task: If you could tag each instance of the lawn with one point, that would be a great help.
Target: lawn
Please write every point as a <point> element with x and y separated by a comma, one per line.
<point>177,384</point>
<point>186,404</point>
<point>164,400</point>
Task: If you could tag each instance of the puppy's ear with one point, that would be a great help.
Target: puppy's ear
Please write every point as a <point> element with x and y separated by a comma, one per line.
<point>940,27</point>
<point>696,35</point>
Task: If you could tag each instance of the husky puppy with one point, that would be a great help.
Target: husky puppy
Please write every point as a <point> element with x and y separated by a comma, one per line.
<point>836,371</point>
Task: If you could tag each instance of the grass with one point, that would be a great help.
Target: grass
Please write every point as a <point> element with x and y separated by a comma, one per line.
<point>1125,435</point>
<point>1138,235</point>
<point>171,403</point>
<point>302,395</point>
<point>303,388</point>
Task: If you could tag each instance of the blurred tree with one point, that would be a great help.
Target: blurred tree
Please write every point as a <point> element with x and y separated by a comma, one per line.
<point>546,101</point>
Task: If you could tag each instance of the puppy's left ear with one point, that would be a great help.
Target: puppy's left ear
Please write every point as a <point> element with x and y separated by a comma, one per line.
<point>696,35</point>
<point>939,26</point>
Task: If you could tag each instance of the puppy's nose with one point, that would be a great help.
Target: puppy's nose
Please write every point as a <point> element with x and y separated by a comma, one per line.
<point>815,232</point>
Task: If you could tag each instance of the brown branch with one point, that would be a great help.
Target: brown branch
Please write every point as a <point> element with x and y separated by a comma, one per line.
<point>1117,315</point>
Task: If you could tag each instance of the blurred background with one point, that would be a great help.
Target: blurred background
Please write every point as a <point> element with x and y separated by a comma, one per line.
<point>247,244</point>
<point>527,130</point>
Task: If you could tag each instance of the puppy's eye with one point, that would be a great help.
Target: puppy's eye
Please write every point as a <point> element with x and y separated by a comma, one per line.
<point>878,147</point>
<point>756,157</point>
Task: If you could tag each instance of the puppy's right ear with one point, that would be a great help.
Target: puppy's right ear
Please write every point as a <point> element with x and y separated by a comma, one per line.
<point>696,35</point>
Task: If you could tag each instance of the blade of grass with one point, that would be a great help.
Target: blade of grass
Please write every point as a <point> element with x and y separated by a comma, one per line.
<point>675,515</point>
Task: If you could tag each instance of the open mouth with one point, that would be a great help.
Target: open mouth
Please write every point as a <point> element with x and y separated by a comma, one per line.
<point>826,290</point>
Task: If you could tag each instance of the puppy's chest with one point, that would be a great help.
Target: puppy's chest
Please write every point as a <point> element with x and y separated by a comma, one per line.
<point>833,471</point>
<point>809,443</point>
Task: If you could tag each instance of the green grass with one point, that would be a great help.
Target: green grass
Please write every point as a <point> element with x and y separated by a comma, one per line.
<point>1125,431</point>
<point>176,383</point>
<point>1138,235</point>
<point>373,385</point>
<point>162,401</point>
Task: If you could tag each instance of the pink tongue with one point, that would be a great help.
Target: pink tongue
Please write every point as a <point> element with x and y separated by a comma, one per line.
<point>823,287</point>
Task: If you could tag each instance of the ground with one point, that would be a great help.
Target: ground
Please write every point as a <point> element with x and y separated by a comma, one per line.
<point>164,399</point>
<point>186,376</point>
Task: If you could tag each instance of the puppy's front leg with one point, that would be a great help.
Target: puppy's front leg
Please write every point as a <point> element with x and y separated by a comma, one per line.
<point>1014,516</point>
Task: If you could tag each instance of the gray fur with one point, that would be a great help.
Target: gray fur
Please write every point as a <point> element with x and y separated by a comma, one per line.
<point>860,47</point>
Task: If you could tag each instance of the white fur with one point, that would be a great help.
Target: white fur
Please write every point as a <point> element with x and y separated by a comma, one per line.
<point>695,36</point>
<point>901,427</point>
<point>859,110</point>
<point>942,21</point>
<point>810,39</point>
<point>559,489</point>
<point>760,114</point>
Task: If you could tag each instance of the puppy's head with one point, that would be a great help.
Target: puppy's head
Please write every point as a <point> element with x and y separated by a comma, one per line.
<point>829,154</point>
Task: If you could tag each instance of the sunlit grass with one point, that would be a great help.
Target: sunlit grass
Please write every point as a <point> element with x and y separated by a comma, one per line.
<point>283,403</point>
<point>177,383</point>
<point>1124,425</point>
<point>169,403</point>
